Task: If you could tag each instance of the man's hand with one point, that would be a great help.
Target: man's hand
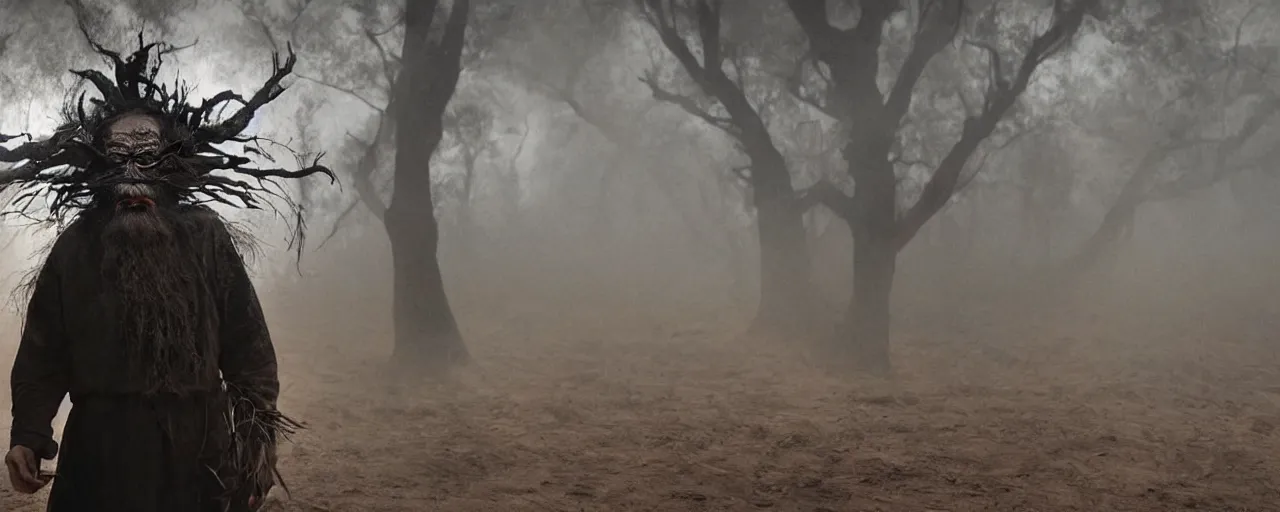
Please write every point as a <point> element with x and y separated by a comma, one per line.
<point>24,470</point>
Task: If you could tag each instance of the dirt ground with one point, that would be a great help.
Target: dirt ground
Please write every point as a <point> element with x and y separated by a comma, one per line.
<point>617,405</point>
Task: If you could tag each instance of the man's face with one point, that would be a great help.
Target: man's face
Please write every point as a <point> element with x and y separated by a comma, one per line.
<point>148,267</point>
<point>133,144</point>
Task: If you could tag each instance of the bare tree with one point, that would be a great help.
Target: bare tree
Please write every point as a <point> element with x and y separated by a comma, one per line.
<point>873,120</point>
<point>419,81</point>
<point>785,291</point>
<point>1217,105</point>
<point>425,328</point>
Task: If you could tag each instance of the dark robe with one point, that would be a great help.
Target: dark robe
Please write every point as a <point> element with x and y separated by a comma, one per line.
<point>124,448</point>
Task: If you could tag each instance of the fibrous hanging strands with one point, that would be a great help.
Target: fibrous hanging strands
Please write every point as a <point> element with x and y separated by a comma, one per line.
<point>255,431</point>
<point>62,166</point>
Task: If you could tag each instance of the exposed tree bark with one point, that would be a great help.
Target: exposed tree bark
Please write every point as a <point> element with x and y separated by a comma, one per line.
<point>426,332</point>
<point>420,83</point>
<point>785,290</point>
<point>872,120</point>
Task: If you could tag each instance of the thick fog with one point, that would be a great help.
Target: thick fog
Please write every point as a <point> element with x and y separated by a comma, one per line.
<point>1095,291</point>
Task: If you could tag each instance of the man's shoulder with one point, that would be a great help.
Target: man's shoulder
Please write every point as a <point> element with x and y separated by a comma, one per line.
<point>206,222</point>
<point>202,214</point>
<point>213,232</point>
<point>74,235</point>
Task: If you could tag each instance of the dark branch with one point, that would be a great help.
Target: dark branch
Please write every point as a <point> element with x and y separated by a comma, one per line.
<point>825,194</point>
<point>238,122</point>
<point>390,64</point>
<point>743,122</point>
<point>1001,96</point>
<point>67,168</point>
<point>689,105</point>
<point>349,91</point>
<point>364,172</point>
<point>938,26</point>
<point>986,155</point>
<point>337,223</point>
<point>1223,150</point>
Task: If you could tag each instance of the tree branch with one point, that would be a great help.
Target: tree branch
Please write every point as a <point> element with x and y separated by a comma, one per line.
<point>367,192</point>
<point>1001,96</point>
<point>825,194</point>
<point>661,16</point>
<point>364,171</point>
<point>299,9</point>
<point>448,61</point>
<point>1184,188</point>
<point>689,105</point>
<point>744,122</point>
<point>986,155</point>
<point>251,12</point>
<point>337,223</point>
<point>349,91</point>
<point>852,55</point>
<point>939,23</point>
<point>1225,148</point>
<point>389,62</point>
<point>709,33</point>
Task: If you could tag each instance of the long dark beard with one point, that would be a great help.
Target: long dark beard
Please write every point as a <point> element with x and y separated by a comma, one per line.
<point>151,267</point>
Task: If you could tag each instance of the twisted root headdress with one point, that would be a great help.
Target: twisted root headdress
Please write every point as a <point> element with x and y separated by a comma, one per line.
<point>61,167</point>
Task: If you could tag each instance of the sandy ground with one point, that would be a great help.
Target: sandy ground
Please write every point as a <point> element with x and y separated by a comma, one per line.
<point>630,406</point>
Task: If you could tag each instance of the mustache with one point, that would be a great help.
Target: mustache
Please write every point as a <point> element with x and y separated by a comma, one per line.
<point>137,225</point>
<point>134,196</point>
<point>123,180</point>
<point>137,188</point>
<point>131,191</point>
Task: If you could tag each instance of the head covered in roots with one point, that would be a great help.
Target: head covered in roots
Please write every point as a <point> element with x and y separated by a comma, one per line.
<point>142,148</point>
<point>136,168</point>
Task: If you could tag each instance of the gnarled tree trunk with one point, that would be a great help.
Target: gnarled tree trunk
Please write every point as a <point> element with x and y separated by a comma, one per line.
<point>785,291</point>
<point>873,119</point>
<point>426,332</point>
<point>875,257</point>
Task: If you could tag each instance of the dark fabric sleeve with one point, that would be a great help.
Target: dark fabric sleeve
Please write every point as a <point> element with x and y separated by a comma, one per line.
<point>248,364</point>
<point>40,376</point>
<point>248,357</point>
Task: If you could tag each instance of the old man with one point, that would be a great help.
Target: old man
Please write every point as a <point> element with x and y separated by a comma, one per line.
<point>143,311</point>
